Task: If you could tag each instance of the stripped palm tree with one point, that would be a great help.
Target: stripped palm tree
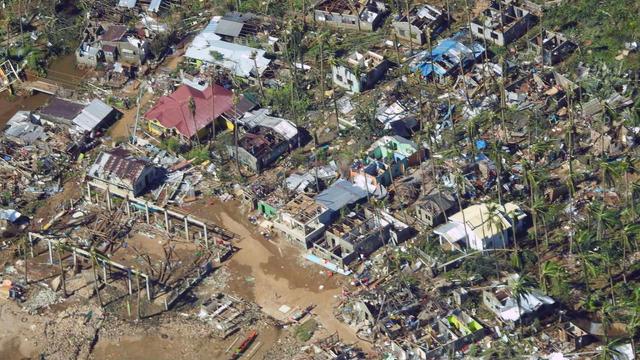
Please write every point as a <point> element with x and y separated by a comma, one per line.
<point>521,287</point>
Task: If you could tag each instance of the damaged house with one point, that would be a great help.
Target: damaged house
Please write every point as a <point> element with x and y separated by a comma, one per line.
<point>481,227</point>
<point>451,56</point>
<point>441,336</point>
<point>388,158</point>
<point>113,44</point>
<point>95,117</point>
<point>353,235</point>
<point>302,220</point>
<point>433,209</point>
<point>366,15</point>
<point>424,21</point>
<point>173,116</point>
<point>339,197</point>
<point>237,27</point>
<point>209,48</point>
<point>119,168</point>
<point>502,302</point>
<point>359,71</point>
<point>554,46</point>
<point>263,145</point>
<point>502,22</point>
<point>391,309</point>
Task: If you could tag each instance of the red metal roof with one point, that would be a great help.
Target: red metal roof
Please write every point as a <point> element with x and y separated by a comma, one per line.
<point>173,111</point>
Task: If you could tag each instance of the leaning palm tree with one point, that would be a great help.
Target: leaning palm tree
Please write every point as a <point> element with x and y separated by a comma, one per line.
<point>192,111</point>
<point>553,275</point>
<point>521,287</point>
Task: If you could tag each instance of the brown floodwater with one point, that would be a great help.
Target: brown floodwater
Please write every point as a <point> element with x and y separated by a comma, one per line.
<point>62,71</point>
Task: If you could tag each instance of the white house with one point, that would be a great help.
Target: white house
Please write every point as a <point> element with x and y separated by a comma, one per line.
<point>480,227</point>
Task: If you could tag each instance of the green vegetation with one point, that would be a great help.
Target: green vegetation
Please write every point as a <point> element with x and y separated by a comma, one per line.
<point>601,27</point>
<point>199,155</point>
<point>304,332</point>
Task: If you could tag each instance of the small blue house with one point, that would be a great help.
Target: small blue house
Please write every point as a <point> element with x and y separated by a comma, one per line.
<point>447,57</point>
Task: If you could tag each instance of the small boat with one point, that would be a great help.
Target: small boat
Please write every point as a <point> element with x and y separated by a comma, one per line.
<point>242,348</point>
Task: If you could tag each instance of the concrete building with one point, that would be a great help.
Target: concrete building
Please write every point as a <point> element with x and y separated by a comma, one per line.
<point>423,21</point>
<point>118,167</point>
<point>433,208</point>
<point>302,221</point>
<point>366,15</point>
<point>555,47</point>
<point>502,22</point>
<point>260,148</point>
<point>481,227</point>
<point>359,71</point>
<point>340,197</point>
<point>351,236</point>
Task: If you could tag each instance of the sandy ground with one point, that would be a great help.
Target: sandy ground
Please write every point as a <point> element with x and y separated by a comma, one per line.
<point>272,273</point>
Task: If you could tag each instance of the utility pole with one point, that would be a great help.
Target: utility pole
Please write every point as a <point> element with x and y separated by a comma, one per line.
<point>134,139</point>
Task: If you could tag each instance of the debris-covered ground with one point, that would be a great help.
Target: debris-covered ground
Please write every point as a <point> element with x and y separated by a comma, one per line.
<point>319,180</point>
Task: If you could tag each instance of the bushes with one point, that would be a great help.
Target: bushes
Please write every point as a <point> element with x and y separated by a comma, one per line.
<point>305,331</point>
<point>198,154</point>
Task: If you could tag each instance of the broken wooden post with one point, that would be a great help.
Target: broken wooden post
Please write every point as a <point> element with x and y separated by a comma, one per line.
<point>104,272</point>
<point>108,193</point>
<point>148,288</point>
<point>128,206</point>
<point>129,281</point>
<point>146,211</point>
<point>89,192</point>
<point>30,243</point>
<point>166,220</point>
<point>75,261</point>
<point>206,236</point>
<point>186,228</point>
<point>50,252</point>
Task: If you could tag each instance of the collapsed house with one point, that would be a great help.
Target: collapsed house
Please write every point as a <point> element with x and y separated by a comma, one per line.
<point>264,144</point>
<point>302,220</point>
<point>359,71</point>
<point>481,227</point>
<point>225,313</point>
<point>440,337</point>
<point>25,128</point>
<point>391,309</point>
<point>119,168</point>
<point>451,56</point>
<point>502,22</point>
<point>501,300</point>
<point>353,235</point>
<point>423,22</point>
<point>367,15</point>
<point>554,46</point>
<point>208,47</point>
<point>153,6</point>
